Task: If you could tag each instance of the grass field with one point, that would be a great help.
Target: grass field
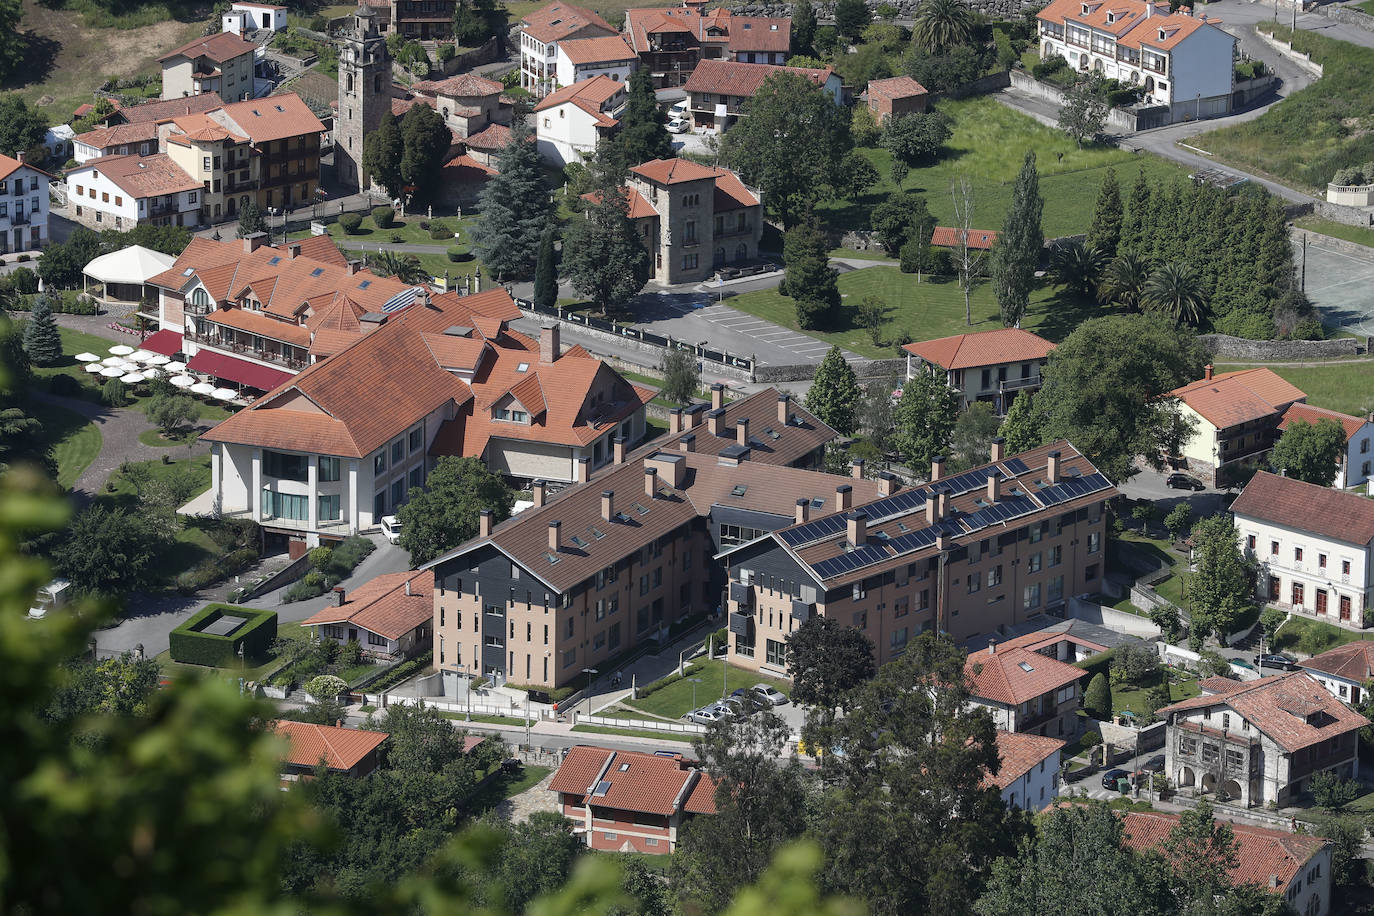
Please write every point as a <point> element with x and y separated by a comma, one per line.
<point>925,310</point>
<point>675,700</point>
<point>1356,234</point>
<point>1312,636</point>
<point>988,144</point>
<point>192,544</point>
<point>1304,139</point>
<point>154,438</point>
<point>177,669</point>
<point>1341,385</point>
<point>75,441</point>
<point>436,264</point>
<point>1134,699</point>
<point>506,786</point>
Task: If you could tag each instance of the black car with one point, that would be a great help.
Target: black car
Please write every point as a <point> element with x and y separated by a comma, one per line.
<point>1154,765</point>
<point>1179,481</point>
<point>1281,662</point>
<point>1109,778</point>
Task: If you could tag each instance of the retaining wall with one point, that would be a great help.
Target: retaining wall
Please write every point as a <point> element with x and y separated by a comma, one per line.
<point>1239,348</point>
<point>1286,49</point>
<point>1348,16</point>
<point>864,369</point>
<point>981,86</point>
<point>1350,216</point>
<point>1112,619</point>
<point>1022,81</point>
<point>906,9</point>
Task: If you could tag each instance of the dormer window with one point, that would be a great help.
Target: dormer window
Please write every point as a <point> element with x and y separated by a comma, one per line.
<point>1085,9</point>
<point>1111,17</point>
<point>1161,34</point>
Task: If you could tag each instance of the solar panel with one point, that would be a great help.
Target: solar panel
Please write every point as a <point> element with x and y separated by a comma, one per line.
<point>1015,466</point>
<point>895,505</point>
<point>913,541</point>
<point>814,531</point>
<point>602,787</point>
<point>966,482</point>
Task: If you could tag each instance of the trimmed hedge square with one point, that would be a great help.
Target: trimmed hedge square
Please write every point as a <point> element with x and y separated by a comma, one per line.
<point>191,645</point>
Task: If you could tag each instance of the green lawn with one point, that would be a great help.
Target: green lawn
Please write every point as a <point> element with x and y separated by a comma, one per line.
<point>925,310</point>
<point>988,144</point>
<point>1343,386</point>
<point>256,673</point>
<point>1134,698</point>
<point>1304,139</point>
<point>675,700</point>
<point>75,441</point>
<point>489,720</point>
<point>1312,637</point>
<point>634,733</point>
<point>506,786</point>
<point>192,544</point>
<point>369,236</point>
<point>154,438</point>
<point>1357,234</point>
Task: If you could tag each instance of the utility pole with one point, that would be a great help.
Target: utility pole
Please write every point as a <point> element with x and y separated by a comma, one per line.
<point>1303,281</point>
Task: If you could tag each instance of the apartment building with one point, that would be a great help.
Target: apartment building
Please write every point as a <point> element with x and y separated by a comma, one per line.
<point>541,34</point>
<point>1025,689</point>
<point>1236,418</point>
<point>1312,545</point>
<point>614,561</point>
<point>162,111</point>
<point>672,42</point>
<point>628,801</point>
<point>1029,775</point>
<point>964,555</point>
<point>693,218</point>
<point>1343,671</point>
<point>719,91</point>
<point>23,204</point>
<point>991,366</point>
<point>220,63</point>
<point>119,192</point>
<point>570,122</point>
<point>892,98</point>
<point>1184,64</point>
<point>1257,742</point>
<point>1356,464</point>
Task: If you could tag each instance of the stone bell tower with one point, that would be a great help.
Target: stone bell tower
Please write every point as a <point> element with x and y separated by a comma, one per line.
<point>364,95</point>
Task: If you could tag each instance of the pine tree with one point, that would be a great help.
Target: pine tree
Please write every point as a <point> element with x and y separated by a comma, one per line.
<point>1105,234</point>
<point>642,135</point>
<point>546,272</point>
<point>515,209</point>
<point>1021,426</point>
<point>803,26</point>
<point>602,256</point>
<point>1133,221</point>
<point>924,418</point>
<point>1017,250</point>
<point>425,140</point>
<point>42,342</point>
<point>1163,215</point>
<point>382,151</point>
<point>809,279</point>
<point>834,394</point>
<point>250,219</point>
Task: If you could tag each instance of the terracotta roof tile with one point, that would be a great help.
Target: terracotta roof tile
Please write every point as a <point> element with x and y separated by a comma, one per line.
<point>602,49</point>
<point>1314,415</point>
<point>948,237</point>
<point>596,91</point>
<point>563,20</point>
<point>1335,514</point>
<point>673,171</point>
<point>1012,674</point>
<point>639,207</point>
<point>465,169</point>
<point>738,33</point>
<point>1353,661</point>
<point>743,80</point>
<point>631,781</point>
<point>317,248</point>
<point>898,87</point>
<point>162,110</point>
<point>1232,398</point>
<point>1020,753</point>
<point>383,605</point>
<point>103,137</point>
<point>220,48</point>
<point>276,117</point>
<point>10,165</point>
<point>461,86</point>
<point>984,348</point>
<point>264,325</point>
<point>456,352</point>
<point>339,748</point>
<point>142,176</point>
<point>494,137</point>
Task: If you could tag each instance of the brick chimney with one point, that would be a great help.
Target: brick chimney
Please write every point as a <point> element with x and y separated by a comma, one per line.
<point>19,157</point>
<point>549,348</point>
<point>607,505</point>
<point>618,450</point>
<point>856,529</point>
<point>937,468</point>
<point>539,490</point>
<point>844,495</point>
<point>999,448</point>
<point>803,511</point>
<point>1052,467</point>
<point>584,468</point>
<point>554,528</point>
<point>934,509</point>
<point>856,469</point>
<point>994,487</point>
<point>675,421</point>
<point>742,431</point>
<point>713,421</point>
<point>784,408</point>
<point>691,416</point>
<point>253,241</point>
<point>338,596</point>
<point>942,504</point>
<point>1207,372</point>
<point>484,523</point>
<point>293,250</point>
<point>688,443</point>
<point>354,267</point>
<point>887,483</point>
<point>717,396</point>
<point>651,482</point>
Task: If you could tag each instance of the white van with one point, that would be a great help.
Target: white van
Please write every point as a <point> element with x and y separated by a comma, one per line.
<point>391,528</point>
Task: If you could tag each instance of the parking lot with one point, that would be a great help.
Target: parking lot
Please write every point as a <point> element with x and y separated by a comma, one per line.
<point>695,318</point>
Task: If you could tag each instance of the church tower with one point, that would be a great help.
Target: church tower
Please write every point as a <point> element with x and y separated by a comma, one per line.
<point>364,95</point>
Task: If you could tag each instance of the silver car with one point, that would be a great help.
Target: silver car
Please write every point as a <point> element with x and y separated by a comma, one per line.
<point>771,694</point>
<point>707,715</point>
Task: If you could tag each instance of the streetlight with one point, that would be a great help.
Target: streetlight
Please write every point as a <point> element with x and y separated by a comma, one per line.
<point>589,672</point>
<point>695,681</point>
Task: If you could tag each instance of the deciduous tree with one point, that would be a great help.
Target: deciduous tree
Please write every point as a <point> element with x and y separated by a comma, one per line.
<point>21,128</point>
<point>515,210</point>
<point>1222,587</point>
<point>1016,253</point>
<point>251,219</point>
<point>803,26</point>
<point>850,18</point>
<point>974,430</point>
<point>969,265</point>
<point>902,217</point>
<point>444,514</point>
<point>1021,426</point>
<point>109,552</point>
<point>1083,114</point>
<point>826,660</point>
<point>1309,452</point>
<point>170,412</point>
<point>925,418</point>
<point>914,138</point>
<point>681,376</point>
<point>876,412</point>
<point>603,257</point>
<point>834,393</point>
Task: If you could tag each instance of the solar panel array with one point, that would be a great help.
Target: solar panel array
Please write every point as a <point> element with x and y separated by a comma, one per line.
<point>1001,511</point>
<point>857,558</point>
<point>1015,466</point>
<point>818,530</point>
<point>900,504</point>
<point>1071,488</point>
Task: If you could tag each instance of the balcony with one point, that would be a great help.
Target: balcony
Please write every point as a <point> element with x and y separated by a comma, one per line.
<point>1019,383</point>
<point>292,524</point>
<point>20,219</point>
<point>268,356</point>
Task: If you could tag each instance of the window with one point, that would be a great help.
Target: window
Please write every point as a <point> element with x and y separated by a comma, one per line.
<point>398,451</point>
<point>374,640</point>
<point>995,576</point>
<point>858,592</point>
<point>205,163</point>
<point>417,475</point>
<point>1056,588</point>
<point>1030,596</point>
<point>1250,541</point>
<point>775,652</point>
<point>861,620</point>
<point>104,197</point>
<point>1321,561</point>
<point>119,202</point>
<point>569,658</point>
<point>975,582</point>
<point>897,641</point>
<point>191,197</point>
<point>285,467</point>
<point>289,506</point>
<point>1297,554</point>
<point>329,508</point>
<point>689,261</point>
<point>1090,572</point>
<point>1273,548</point>
<point>329,467</point>
<point>1094,542</point>
<point>379,462</point>
<point>1345,567</point>
<point>1056,556</point>
<point>1034,565</point>
<point>744,646</point>
<point>398,492</point>
<point>1037,531</point>
<point>689,233</point>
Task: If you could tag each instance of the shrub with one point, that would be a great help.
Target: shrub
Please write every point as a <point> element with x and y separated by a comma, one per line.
<point>446,53</point>
<point>325,686</point>
<point>66,386</point>
<point>1052,64</point>
<point>440,231</point>
<point>456,254</point>
<point>189,645</point>
<point>1091,738</point>
<point>24,280</point>
<point>351,222</point>
<point>114,394</point>
<point>393,677</point>
<point>1332,792</point>
<point>1098,700</point>
<point>350,552</point>
<point>351,654</point>
<point>656,686</point>
<point>322,558</point>
<point>384,217</point>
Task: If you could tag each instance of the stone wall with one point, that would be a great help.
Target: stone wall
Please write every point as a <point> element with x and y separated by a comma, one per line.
<point>1221,345</point>
<point>906,9</point>
<point>864,369</point>
<point>1348,16</point>
<point>1350,216</point>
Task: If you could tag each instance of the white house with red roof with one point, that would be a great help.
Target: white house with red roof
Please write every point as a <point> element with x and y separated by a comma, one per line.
<point>584,58</point>
<point>389,616</point>
<point>1235,417</point>
<point>1344,671</point>
<point>1356,465</point>
<point>1025,686</point>
<point>627,801</point>
<point>570,122</point>
<point>1029,773</point>
<point>1312,545</point>
<point>1256,742</point>
<point>993,366</point>
<point>541,34</point>
<point>221,63</point>
<point>1179,60</point>
<point>119,192</point>
<point>23,204</point>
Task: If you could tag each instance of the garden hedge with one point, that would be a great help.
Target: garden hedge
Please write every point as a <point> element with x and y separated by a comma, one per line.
<point>191,647</point>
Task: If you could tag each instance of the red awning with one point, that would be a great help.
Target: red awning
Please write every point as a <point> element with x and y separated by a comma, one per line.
<point>237,370</point>
<point>168,343</point>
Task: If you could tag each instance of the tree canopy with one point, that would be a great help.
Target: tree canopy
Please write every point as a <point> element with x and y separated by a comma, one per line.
<point>515,210</point>
<point>1308,451</point>
<point>1222,587</point>
<point>809,279</point>
<point>603,257</point>
<point>1016,253</point>
<point>445,513</point>
<point>383,149</point>
<point>925,417</point>
<point>425,140</point>
<point>834,393</point>
<point>826,660</point>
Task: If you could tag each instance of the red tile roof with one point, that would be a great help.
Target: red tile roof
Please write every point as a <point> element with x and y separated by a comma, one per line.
<point>1010,674</point>
<point>339,748</point>
<point>102,137</point>
<point>1263,853</point>
<point>603,49</point>
<point>1335,514</point>
<point>1019,754</point>
<point>632,781</point>
<point>276,117</point>
<point>390,605</point>
<point>220,48</point>
<point>494,137</point>
<point>899,87</point>
<point>463,86</point>
<point>464,169</point>
<point>718,28</point>
<point>317,248</point>
<point>639,207</point>
<point>563,20</point>
<point>728,77</point>
<point>1233,398</point>
<point>1353,661</point>
<point>142,176</point>
<point>673,171</point>
<point>1292,709</point>
<point>1314,415</point>
<point>948,237</point>
<point>10,165</point>
<point>258,323</point>
<point>591,95</point>
<point>162,110</point>
<point>984,348</point>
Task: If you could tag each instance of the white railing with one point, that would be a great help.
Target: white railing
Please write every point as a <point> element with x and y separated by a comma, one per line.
<point>650,725</point>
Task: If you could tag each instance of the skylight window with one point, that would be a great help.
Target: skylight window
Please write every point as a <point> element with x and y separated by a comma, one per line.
<point>641,509</point>
<point>188,271</point>
<point>739,490</point>
<point>317,271</point>
<point>624,767</point>
<point>596,532</point>
<point>274,261</point>
<point>365,284</point>
<point>621,516</point>
<point>523,367</point>
<point>578,542</point>
<point>1025,666</point>
<point>552,558</point>
<point>817,503</point>
<point>901,526</point>
<point>602,787</point>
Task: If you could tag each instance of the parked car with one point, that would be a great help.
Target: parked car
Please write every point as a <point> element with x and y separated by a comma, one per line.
<point>707,715</point>
<point>1180,481</point>
<point>678,110</point>
<point>737,707</point>
<point>391,528</point>
<point>751,700</point>
<point>1109,778</point>
<point>772,694</point>
<point>679,126</point>
<point>1154,765</point>
<point>1276,660</point>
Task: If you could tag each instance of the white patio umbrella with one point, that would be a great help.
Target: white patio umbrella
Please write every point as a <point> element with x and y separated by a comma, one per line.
<point>224,394</point>
<point>202,388</point>
<point>121,350</point>
<point>113,361</point>
<point>141,356</point>
<point>133,378</point>
<point>112,371</point>
<point>87,358</point>
<point>175,366</point>
<point>159,360</point>
<point>182,381</point>
<point>151,371</point>
<point>94,368</point>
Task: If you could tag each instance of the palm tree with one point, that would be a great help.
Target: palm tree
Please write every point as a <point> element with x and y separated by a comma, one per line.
<point>1125,280</point>
<point>1176,290</point>
<point>404,267</point>
<point>942,24</point>
<point>1078,266</point>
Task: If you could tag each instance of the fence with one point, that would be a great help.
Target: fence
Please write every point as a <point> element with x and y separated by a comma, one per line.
<point>649,725</point>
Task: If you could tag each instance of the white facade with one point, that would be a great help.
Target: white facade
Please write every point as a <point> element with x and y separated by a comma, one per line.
<point>1037,789</point>
<point>84,152</point>
<point>1342,688</point>
<point>538,65</point>
<point>566,133</point>
<point>95,200</point>
<point>261,16</point>
<point>23,209</point>
<point>1358,466</point>
<point>1308,573</point>
<point>567,72</point>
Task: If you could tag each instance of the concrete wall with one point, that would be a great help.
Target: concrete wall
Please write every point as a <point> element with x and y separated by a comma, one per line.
<point>1240,348</point>
<point>1024,82</point>
<point>1348,16</point>
<point>1361,195</point>
<point>1286,49</point>
<point>1112,619</point>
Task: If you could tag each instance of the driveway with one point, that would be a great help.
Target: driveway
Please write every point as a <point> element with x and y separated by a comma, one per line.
<point>695,317</point>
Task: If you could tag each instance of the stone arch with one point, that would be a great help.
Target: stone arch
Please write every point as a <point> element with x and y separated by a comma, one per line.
<point>1209,782</point>
<point>1149,84</point>
<point>348,82</point>
<point>1186,777</point>
<point>1231,788</point>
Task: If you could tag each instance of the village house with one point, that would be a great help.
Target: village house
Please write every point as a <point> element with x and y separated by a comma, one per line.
<point>541,33</point>
<point>1312,545</point>
<point>719,91</point>
<point>992,366</point>
<point>468,103</point>
<point>388,616</point>
<point>1235,418</point>
<point>1029,773</point>
<point>1356,464</point>
<point>671,42</point>
<point>349,751</point>
<point>627,801</point>
<point>246,17</point>
<point>1024,689</point>
<point>1344,671</point>
<point>569,123</point>
<point>220,63</point>
<point>119,192</point>
<point>23,204</point>
<point>584,58</point>
<point>892,98</point>
<point>1256,742</point>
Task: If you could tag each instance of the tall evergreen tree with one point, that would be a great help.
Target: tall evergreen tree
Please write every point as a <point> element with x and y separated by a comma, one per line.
<point>834,393</point>
<point>803,27</point>
<point>602,256</point>
<point>850,18</point>
<point>1133,220</point>
<point>546,272</point>
<point>1105,234</point>
<point>425,140</point>
<point>250,221</point>
<point>42,342</point>
<point>642,135</point>
<point>924,418</point>
<point>1017,250</point>
<point>515,209</point>
<point>809,279</point>
<point>382,152</point>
